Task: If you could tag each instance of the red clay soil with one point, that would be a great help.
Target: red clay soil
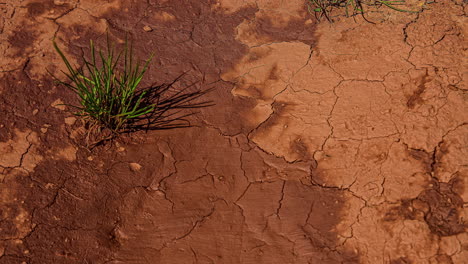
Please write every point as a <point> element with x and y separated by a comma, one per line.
<point>327,143</point>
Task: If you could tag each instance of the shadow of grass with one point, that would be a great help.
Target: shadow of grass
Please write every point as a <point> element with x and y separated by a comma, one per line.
<point>170,106</point>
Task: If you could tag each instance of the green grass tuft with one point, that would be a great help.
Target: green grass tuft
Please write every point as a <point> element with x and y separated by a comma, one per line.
<point>108,96</point>
<point>107,86</point>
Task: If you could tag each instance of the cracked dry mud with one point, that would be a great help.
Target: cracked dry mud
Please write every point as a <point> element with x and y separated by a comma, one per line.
<point>328,143</point>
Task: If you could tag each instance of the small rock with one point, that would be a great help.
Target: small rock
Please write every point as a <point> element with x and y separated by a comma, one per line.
<point>147,28</point>
<point>35,111</point>
<point>70,120</point>
<point>120,235</point>
<point>58,104</point>
<point>135,167</point>
<point>44,130</point>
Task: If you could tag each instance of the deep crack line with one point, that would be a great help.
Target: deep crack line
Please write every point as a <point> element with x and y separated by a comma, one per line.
<point>280,202</point>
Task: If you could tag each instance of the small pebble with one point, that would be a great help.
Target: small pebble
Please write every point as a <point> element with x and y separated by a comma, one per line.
<point>70,120</point>
<point>58,104</point>
<point>147,28</point>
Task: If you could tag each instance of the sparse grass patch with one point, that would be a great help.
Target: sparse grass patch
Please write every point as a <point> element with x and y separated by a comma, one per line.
<point>112,101</point>
<point>323,8</point>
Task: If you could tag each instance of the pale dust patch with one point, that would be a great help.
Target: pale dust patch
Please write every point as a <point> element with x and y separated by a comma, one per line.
<point>81,18</point>
<point>164,16</point>
<point>21,150</point>
<point>99,8</point>
<point>58,104</point>
<point>362,52</point>
<point>68,153</point>
<point>32,158</point>
<point>231,6</point>
<point>16,53</point>
<point>12,209</point>
<point>70,120</point>
<point>39,52</point>
<point>316,77</point>
<point>378,236</point>
<point>45,128</point>
<point>288,7</point>
<point>135,167</point>
<point>362,111</point>
<point>63,2</point>
<point>462,254</point>
<point>348,214</point>
<point>264,74</point>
